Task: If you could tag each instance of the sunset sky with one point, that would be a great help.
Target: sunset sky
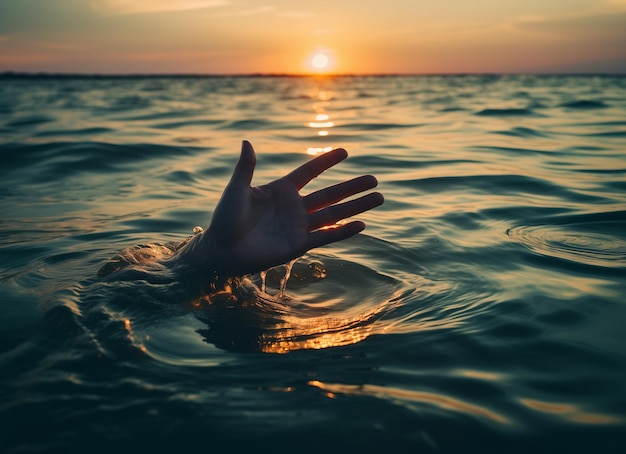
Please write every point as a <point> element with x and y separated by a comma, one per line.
<point>282,36</point>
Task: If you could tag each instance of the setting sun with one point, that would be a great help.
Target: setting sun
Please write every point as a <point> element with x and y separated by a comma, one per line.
<point>320,61</point>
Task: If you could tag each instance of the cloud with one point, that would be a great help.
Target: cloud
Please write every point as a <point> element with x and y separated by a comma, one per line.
<point>123,7</point>
<point>246,12</point>
<point>581,25</point>
<point>295,14</point>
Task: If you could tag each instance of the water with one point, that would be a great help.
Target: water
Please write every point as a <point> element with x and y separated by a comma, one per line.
<point>482,309</point>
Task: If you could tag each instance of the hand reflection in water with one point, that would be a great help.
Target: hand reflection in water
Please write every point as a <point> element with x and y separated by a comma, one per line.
<point>255,228</point>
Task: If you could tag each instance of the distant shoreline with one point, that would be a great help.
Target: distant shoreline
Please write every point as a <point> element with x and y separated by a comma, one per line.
<point>53,75</point>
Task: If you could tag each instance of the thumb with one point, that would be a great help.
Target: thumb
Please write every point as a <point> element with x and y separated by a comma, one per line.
<point>242,175</point>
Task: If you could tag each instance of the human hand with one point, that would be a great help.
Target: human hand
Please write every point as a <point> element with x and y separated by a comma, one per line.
<point>255,228</point>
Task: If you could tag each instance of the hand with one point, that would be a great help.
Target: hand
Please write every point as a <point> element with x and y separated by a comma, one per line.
<point>255,228</point>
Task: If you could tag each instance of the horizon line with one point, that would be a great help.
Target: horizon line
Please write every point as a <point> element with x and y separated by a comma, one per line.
<point>14,73</point>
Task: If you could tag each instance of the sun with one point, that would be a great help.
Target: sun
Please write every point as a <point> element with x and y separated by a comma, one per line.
<point>320,61</point>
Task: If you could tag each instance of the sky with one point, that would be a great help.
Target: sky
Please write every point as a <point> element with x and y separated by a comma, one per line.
<point>283,36</point>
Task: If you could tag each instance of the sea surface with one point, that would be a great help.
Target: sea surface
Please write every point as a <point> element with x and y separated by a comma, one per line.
<point>483,309</point>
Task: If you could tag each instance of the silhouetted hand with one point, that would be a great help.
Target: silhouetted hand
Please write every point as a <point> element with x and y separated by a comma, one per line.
<point>255,228</point>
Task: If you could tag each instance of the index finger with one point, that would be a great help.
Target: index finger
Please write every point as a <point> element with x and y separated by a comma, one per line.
<point>306,172</point>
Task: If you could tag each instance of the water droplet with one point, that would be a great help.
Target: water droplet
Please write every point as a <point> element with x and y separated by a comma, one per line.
<point>283,281</point>
<point>263,274</point>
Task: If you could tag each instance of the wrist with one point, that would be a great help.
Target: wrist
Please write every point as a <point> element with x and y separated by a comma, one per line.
<point>200,259</point>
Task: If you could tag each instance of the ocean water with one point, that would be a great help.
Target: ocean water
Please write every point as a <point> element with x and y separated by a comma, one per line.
<point>483,309</point>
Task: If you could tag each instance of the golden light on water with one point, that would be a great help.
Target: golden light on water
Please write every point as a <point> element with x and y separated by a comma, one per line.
<point>322,122</point>
<point>315,333</point>
<point>419,397</point>
<point>314,151</point>
<point>130,334</point>
<point>570,412</point>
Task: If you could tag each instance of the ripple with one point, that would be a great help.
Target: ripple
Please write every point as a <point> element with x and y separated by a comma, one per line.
<point>609,134</point>
<point>506,113</point>
<point>188,123</point>
<point>379,126</point>
<point>249,124</point>
<point>567,243</point>
<point>488,184</point>
<point>327,302</point>
<point>32,120</point>
<point>74,132</point>
<point>522,132</point>
<point>584,104</point>
<point>343,307</point>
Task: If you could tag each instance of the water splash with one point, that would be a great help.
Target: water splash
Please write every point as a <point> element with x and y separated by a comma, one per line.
<point>263,275</point>
<point>283,281</point>
<point>296,273</point>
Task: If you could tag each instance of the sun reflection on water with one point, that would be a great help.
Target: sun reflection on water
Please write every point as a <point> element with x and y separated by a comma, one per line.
<point>318,333</point>
<point>570,412</point>
<point>322,123</point>
<point>318,150</point>
<point>422,397</point>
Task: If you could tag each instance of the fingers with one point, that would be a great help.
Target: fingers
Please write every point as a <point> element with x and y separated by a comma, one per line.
<point>306,172</point>
<point>242,175</point>
<point>336,233</point>
<point>333,194</point>
<point>331,214</point>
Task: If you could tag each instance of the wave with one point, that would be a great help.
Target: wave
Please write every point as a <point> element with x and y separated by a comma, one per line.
<point>187,123</point>
<point>377,126</point>
<point>617,134</point>
<point>491,184</point>
<point>584,104</point>
<point>53,161</point>
<point>32,120</point>
<point>251,124</point>
<point>521,112</point>
<point>523,132</point>
<point>74,132</point>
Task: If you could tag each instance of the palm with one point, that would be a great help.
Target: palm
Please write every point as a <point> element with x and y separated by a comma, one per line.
<point>256,228</point>
<point>273,229</point>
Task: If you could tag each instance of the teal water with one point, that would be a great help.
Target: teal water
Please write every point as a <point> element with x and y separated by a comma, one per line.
<point>481,310</point>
